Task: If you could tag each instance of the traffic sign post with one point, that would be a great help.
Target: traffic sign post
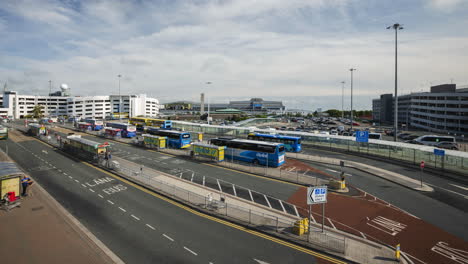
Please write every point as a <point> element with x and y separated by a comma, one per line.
<point>422,165</point>
<point>317,195</point>
<point>362,136</point>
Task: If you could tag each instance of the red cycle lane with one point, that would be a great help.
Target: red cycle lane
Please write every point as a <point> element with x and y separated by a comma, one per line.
<point>375,219</point>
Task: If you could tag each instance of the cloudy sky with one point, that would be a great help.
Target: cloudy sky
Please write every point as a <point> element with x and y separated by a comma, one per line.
<point>288,49</point>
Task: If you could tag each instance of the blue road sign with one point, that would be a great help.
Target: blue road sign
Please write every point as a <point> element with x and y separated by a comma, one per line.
<point>316,195</point>
<point>362,136</point>
<point>439,152</point>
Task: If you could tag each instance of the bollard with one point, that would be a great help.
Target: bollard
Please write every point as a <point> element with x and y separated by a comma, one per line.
<point>397,253</point>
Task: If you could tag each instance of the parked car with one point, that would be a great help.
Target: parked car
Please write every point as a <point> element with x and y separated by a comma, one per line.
<point>403,135</point>
<point>412,141</point>
<point>447,145</point>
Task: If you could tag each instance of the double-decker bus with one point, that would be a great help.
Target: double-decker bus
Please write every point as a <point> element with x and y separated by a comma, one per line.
<point>141,122</point>
<point>95,124</point>
<point>270,154</point>
<point>127,131</point>
<point>291,144</point>
<point>175,139</point>
<point>3,132</point>
<point>85,148</point>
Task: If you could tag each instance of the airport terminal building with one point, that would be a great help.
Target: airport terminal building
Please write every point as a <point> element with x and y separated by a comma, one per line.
<point>63,104</point>
<point>254,105</point>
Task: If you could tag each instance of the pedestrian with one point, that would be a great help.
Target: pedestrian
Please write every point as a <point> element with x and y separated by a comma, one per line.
<point>25,182</point>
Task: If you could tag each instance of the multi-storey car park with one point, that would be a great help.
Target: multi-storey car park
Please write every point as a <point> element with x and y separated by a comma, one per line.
<point>63,104</point>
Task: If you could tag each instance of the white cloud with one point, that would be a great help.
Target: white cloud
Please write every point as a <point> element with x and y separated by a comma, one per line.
<point>445,5</point>
<point>172,51</point>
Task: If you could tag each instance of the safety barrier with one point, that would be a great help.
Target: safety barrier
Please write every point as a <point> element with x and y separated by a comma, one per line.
<point>455,161</point>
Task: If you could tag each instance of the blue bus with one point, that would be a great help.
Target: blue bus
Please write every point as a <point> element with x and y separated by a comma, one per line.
<point>291,144</point>
<point>95,124</point>
<point>128,130</point>
<point>258,152</point>
<point>175,139</point>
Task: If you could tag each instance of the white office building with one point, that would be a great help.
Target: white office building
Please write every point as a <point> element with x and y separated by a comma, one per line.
<point>19,106</point>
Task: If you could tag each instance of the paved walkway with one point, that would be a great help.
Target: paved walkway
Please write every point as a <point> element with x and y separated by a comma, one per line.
<point>41,231</point>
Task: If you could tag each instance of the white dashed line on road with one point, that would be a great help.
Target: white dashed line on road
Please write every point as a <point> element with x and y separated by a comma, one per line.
<point>91,190</point>
<point>100,196</point>
<point>59,170</point>
<point>70,177</point>
<point>84,185</point>
<point>65,173</point>
<point>136,217</point>
<point>123,210</point>
<point>109,201</point>
<point>332,170</point>
<point>168,237</point>
<point>150,227</point>
<point>77,180</point>
<point>188,249</point>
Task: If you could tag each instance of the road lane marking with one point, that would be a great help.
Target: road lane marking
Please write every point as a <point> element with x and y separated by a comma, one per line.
<point>224,222</point>
<point>150,227</point>
<point>386,225</point>
<point>65,173</point>
<point>464,196</point>
<point>332,170</point>
<point>454,254</point>
<point>91,190</point>
<point>100,196</point>
<point>84,185</point>
<point>110,201</point>
<point>136,217</point>
<point>168,237</point>
<point>191,251</point>
<point>70,177</point>
<point>123,210</point>
<point>254,175</point>
<point>77,180</point>
<point>461,187</point>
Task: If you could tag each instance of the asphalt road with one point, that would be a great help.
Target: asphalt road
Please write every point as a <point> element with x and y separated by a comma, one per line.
<point>449,199</point>
<point>449,215</point>
<point>137,226</point>
<point>450,191</point>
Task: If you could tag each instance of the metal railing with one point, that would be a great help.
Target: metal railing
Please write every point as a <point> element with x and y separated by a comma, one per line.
<point>261,221</point>
<point>455,161</point>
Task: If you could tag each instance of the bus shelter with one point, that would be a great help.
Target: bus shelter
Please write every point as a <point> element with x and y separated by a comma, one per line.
<point>10,182</point>
<point>152,141</point>
<point>35,129</point>
<point>208,151</point>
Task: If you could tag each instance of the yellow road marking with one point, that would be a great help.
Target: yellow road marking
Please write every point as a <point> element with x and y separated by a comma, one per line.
<point>212,218</point>
<point>254,175</point>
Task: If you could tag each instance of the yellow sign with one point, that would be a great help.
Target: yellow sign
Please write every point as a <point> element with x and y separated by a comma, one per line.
<point>10,185</point>
<point>210,151</point>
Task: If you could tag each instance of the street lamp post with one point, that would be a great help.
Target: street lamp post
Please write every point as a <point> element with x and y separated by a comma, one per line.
<point>120,99</point>
<point>48,98</point>
<point>396,27</point>
<point>342,99</point>
<point>352,70</point>
<point>208,117</point>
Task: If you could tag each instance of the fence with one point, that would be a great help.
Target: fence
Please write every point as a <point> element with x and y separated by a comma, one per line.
<point>261,221</point>
<point>454,161</point>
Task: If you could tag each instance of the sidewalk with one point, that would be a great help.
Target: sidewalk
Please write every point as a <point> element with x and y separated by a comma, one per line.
<point>42,231</point>
<point>385,174</point>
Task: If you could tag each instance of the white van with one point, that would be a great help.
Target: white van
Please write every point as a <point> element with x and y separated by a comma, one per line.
<point>375,136</point>
<point>432,140</point>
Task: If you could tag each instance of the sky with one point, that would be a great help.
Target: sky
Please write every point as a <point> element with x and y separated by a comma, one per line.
<point>298,51</point>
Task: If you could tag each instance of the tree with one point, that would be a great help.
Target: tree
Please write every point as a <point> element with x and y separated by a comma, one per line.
<point>37,111</point>
<point>333,113</point>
